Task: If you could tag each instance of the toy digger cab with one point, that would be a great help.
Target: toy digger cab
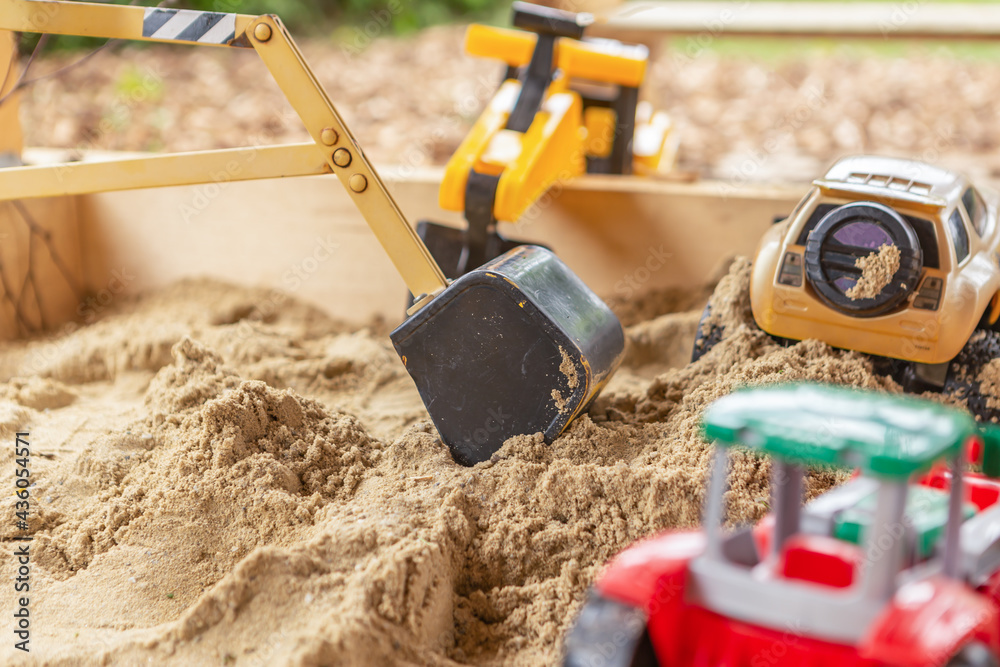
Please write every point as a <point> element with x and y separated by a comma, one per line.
<point>567,106</point>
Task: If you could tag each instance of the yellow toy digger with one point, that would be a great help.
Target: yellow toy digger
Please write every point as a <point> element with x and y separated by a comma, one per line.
<point>517,346</point>
<point>567,106</point>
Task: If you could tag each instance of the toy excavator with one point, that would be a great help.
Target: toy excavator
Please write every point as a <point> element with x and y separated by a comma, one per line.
<point>567,106</point>
<point>519,345</point>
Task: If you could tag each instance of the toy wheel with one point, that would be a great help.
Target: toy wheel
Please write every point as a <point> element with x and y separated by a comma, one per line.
<point>609,633</point>
<point>707,336</point>
<point>974,654</point>
<point>848,233</point>
<point>962,382</point>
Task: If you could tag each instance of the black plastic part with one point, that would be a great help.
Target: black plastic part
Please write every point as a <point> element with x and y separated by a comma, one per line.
<point>480,194</point>
<point>547,20</point>
<point>923,228</point>
<point>706,336</point>
<point>457,251</point>
<point>912,382</point>
<point>962,382</point>
<point>549,24</point>
<point>894,368</point>
<point>621,150</point>
<point>598,165</point>
<point>609,633</point>
<point>818,214</point>
<point>447,245</point>
<point>536,78</point>
<point>518,346</point>
<point>826,259</point>
<point>623,102</point>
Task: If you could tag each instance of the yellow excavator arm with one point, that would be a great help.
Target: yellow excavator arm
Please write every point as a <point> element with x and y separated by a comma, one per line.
<point>526,163</point>
<point>568,132</point>
<point>334,148</point>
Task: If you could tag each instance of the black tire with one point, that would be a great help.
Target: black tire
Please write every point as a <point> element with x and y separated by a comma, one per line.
<point>830,261</point>
<point>706,337</point>
<point>904,373</point>
<point>963,383</point>
<point>709,336</point>
<point>974,654</point>
<point>609,633</point>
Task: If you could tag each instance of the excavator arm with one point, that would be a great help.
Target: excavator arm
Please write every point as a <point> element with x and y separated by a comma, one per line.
<point>538,130</point>
<point>334,148</point>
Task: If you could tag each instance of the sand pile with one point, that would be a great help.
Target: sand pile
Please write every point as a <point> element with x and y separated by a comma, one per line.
<point>215,487</point>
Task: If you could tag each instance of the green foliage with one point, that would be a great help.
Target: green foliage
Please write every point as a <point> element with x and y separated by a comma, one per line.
<point>309,16</point>
<point>413,14</point>
<point>134,84</point>
<point>298,15</point>
<point>322,17</point>
<point>404,15</point>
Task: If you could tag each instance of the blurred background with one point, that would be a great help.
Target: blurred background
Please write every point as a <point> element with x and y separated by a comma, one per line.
<point>748,109</point>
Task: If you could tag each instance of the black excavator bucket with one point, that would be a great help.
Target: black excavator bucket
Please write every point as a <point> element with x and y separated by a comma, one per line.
<point>518,346</point>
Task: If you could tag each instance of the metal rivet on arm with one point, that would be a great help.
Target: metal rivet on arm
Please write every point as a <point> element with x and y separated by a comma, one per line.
<point>342,157</point>
<point>262,32</point>
<point>358,182</point>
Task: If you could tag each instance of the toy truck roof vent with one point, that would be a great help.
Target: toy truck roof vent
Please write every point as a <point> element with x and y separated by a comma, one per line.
<point>886,180</point>
<point>891,182</point>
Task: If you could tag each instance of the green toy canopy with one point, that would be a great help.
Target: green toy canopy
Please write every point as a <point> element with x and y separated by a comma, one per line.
<point>885,435</point>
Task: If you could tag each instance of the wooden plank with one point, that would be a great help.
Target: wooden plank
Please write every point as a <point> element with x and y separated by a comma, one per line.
<point>11,140</point>
<point>882,20</point>
<point>304,236</point>
<point>41,266</point>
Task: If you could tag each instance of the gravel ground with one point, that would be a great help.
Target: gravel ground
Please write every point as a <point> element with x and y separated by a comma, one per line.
<point>410,100</point>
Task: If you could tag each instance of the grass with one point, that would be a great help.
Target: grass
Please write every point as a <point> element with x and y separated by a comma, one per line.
<point>771,49</point>
<point>792,48</point>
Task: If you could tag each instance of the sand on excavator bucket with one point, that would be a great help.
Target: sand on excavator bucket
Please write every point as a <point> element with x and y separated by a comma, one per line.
<point>518,346</point>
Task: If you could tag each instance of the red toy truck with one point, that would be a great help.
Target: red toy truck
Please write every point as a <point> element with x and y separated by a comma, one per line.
<point>898,566</point>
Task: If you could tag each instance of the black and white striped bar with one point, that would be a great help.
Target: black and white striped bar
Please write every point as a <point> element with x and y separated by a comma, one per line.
<point>185,25</point>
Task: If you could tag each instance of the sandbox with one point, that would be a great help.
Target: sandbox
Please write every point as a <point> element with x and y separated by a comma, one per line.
<point>232,467</point>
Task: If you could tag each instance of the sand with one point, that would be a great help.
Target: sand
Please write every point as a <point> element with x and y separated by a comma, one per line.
<point>877,269</point>
<point>214,488</point>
